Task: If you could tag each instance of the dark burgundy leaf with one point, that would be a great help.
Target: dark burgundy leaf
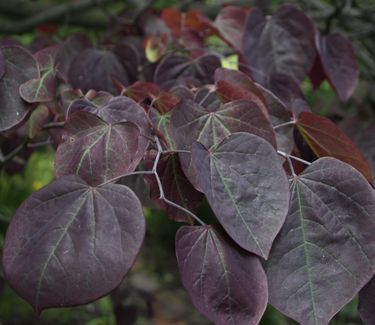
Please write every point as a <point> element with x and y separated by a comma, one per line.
<point>162,123</point>
<point>317,74</point>
<point>2,65</point>
<point>283,43</point>
<point>366,305</point>
<point>95,150</point>
<point>339,63</point>
<point>230,21</point>
<point>326,139</point>
<point>176,187</point>
<point>41,89</point>
<point>20,67</point>
<point>130,58</point>
<point>71,243</point>
<point>98,70</point>
<point>325,252</point>
<point>209,125</point>
<point>225,283</point>
<point>246,187</point>
<point>178,69</point>
<point>142,90</point>
<point>37,120</point>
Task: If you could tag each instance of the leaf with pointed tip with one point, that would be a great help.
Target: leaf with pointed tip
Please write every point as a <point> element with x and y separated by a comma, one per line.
<point>98,70</point>
<point>226,284</point>
<point>20,66</point>
<point>209,125</point>
<point>338,60</point>
<point>325,252</point>
<point>366,304</point>
<point>282,44</point>
<point>246,187</point>
<point>95,150</point>
<point>70,243</point>
<point>326,139</point>
<point>230,21</point>
<point>176,187</point>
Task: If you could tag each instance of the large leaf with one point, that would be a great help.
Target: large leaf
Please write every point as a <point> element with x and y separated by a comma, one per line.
<point>95,150</point>
<point>97,69</point>
<point>326,139</point>
<point>225,283</point>
<point>283,43</point>
<point>366,305</point>
<point>71,243</point>
<point>325,253</point>
<point>246,187</point>
<point>20,67</point>
<point>339,63</point>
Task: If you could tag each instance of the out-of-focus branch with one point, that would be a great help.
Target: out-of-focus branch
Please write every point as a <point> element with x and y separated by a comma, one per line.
<point>36,14</point>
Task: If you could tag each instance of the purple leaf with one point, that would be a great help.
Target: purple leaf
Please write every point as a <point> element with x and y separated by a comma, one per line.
<point>70,243</point>
<point>98,70</point>
<point>210,124</point>
<point>2,65</point>
<point>339,63</point>
<point>225,283</point>
<point>40,89</point>
<point>325,252</point>
<point>366,304</point>
<point>246,187</point>
<point>20,67</point>
<point>282,44</point>
<point>95,150</point>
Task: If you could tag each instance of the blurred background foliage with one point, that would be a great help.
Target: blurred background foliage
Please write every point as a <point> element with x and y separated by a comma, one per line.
<point>152,293</point>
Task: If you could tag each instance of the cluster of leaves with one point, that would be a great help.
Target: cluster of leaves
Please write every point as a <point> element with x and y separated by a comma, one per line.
<point>291,192</point>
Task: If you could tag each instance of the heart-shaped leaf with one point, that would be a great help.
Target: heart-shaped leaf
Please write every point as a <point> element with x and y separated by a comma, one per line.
<point>325,252</point>
<point>246,187</point>
<point>226,284</point>
<point>283,43</point>
<point>95,150</point>
<point>366,304</point>
<point>71,243</point>
<point>326,139</point>
<point>20,67</point>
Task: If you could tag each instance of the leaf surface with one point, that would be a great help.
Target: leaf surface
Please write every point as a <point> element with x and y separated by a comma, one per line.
<point>366,304</point>
<point>325,252</point>
<point>225,283</point>
<point>70,243</point>
<point>246,187</point>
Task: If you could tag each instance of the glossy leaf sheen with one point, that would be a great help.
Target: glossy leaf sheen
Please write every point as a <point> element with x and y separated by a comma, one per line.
<point>282,44</point>
<point>70,243</point>
<point>325,252</point>
<point>246,187</point>
<point>225,283</point>
<point>326,139</point>
<point>20,67</point>
<point>95,150</point>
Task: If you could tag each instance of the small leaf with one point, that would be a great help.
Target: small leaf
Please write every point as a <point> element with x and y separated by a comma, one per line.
<point>246,187</point>
<point>325,252</point>
<point>367,303</point>
<point>37,120</point>
<point>20,67</point>
<point>282,44</point>
<point>326,139</point>
<point>225,283</point>
<point>95,150</point>
<point>70,243</point>
<point>41,89</point>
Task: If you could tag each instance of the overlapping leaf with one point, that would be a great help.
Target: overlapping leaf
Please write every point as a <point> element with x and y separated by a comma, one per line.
<point>246,187</point>
<point>225,283</point>
<point>71,243</point>
<point>367,303</point>
<point>20,67</point>
<point>282,44</point>
<point>326,139</point>
<point>95,150</point>
<point>325,252</point>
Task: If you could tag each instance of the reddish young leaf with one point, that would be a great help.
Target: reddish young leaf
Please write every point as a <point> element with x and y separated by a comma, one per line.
<point>231,22</point>
<point>142,90</point>
<point>246,187</point>
<point>20,67</point>
<point>95,150</point>
<point>325,252</point>
<point>225,283</point>
<point>282,44</point>
<point>326,139</point>
<point>71,243</point>
<point>339,63</point>
<point>172,18</point>
<point>366,304</point>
